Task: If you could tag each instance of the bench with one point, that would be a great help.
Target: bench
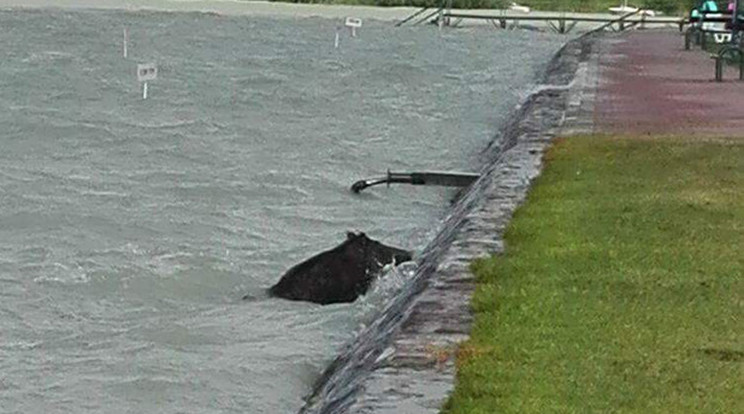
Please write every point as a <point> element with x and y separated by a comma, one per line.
<point>699,29</point>
<point>732,51</point>
<point>727,29</point>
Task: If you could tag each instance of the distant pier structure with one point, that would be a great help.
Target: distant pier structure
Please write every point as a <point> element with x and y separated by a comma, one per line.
<point>560,22</point>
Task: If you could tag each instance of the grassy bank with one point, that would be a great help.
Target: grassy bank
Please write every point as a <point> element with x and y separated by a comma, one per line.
<point>621,289</point>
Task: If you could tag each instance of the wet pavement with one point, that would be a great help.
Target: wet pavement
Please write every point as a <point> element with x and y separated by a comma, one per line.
<point>648,83</point>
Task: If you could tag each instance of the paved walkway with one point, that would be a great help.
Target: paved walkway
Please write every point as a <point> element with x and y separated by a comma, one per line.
<point>649,84</point>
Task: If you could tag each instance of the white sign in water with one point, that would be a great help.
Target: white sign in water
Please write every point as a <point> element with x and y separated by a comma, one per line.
<point>353,23</point>
<point>147,72</point>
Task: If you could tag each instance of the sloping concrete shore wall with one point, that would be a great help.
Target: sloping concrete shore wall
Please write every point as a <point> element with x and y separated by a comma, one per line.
<point>404,361</point>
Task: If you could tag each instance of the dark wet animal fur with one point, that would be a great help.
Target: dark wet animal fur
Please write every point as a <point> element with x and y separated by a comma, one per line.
<point>338,275</point>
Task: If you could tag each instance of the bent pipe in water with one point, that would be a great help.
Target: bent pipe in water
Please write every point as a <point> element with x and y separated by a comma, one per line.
<point>446,179</point>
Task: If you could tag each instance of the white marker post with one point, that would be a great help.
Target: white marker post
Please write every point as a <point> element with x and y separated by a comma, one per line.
<point>146,72</point>
<point>335,44</point>
<point>126,41</point>
<point>353,23</point>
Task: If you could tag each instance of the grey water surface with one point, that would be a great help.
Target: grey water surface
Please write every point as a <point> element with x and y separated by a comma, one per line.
<point>130,229</point>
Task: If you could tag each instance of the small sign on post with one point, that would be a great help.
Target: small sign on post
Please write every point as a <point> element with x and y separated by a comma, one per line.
<point>146,72</point>
<point>353,23</point>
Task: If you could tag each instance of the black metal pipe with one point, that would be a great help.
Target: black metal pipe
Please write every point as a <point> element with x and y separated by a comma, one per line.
<point>446,179</point>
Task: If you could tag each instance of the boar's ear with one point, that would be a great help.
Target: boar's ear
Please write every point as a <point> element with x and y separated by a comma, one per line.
<point>350,235</point>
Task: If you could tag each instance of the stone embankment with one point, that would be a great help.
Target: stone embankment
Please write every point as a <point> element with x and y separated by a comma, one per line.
<point>404,361</point>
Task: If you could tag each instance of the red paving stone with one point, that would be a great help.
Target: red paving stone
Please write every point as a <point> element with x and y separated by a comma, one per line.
<point>650,84</point>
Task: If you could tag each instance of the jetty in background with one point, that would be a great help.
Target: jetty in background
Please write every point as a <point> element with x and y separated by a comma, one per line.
<point>561,22</point>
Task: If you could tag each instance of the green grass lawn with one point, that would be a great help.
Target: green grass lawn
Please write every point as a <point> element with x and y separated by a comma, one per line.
<point>621,288</point>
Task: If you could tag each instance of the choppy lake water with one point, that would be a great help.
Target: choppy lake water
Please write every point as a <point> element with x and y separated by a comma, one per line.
<point>130,228</point>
